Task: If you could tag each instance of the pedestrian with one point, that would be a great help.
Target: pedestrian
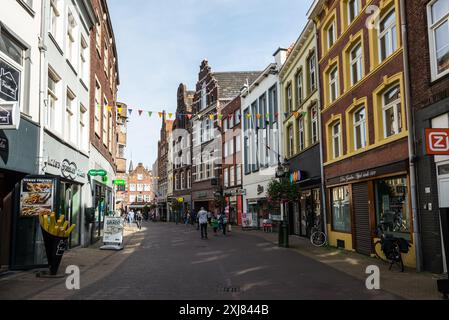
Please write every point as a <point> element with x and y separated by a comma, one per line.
<point>223,222</point>
<point>215,224</point>
<point>202,219</point>
<point>187,218</point>
<point>139,219</point>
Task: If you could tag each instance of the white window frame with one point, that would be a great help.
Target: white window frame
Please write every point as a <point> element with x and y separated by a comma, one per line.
<point>391,35</point>
<point>232,176</point>
<point>314,120</point>
<point>291,141</point>
<point>132,187</point>
<point>54,19</point>
<point>70,115</point>
<point>301,134</point>
<point>289,98</point>
<point>356,10</point>
<point>299,88</point>
<point>83,126</point>
<point>238,143</point>
<point>356,62</point>
<point>84,47</point>
<point>333,81</point>
<point>432,26</point>
<point>53,102</point>
<point>226,177</point>
<point>396,105</point>
<point>362,125</point>
<point>98,107</point>
<point>334,37</point>
<point>336,136</point>
<point>312,72</point>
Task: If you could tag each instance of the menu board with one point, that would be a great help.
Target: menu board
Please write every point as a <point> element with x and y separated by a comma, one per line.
<point>37,196</point>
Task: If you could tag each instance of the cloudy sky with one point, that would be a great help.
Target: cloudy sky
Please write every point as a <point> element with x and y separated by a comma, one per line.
<point>162,43</point>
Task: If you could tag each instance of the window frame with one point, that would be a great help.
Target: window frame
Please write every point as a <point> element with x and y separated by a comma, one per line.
<point>388,31</point>
<point>339,137</point>
<point>332,25</point>
<point>397,111</point>
<point>432,26</point>
<point>301,134</point>
<point>357,62</point>
<point>334,81</point>
<point>362,124</point>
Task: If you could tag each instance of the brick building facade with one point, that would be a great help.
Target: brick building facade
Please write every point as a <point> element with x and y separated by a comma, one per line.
<point>139,188</point>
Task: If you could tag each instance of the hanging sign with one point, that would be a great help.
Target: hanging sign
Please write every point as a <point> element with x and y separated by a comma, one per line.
<point>437,141</point>
<point>97,173</point>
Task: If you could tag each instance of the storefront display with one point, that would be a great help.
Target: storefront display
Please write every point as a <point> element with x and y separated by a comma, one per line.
<point>392,206</point>
<point>341,216</point>
<point>37,196</point>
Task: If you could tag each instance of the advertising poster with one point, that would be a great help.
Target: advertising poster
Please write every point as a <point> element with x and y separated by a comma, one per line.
<point>113,230</point>
<point>37,196</point>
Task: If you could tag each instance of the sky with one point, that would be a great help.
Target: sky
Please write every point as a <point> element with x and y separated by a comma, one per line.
<point>162,43</point>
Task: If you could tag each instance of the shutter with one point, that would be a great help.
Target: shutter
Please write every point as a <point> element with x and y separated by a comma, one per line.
<point>361,212</point>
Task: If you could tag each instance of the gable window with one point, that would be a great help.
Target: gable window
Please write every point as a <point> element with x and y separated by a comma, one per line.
<point>299,90</point>
<point>312,73</point>
<point>336,140</point>
<point>331,35</point>
<point>301,134</point>
<point>438,16</point>
<point>391,110</point>
<point>360,129</point>
<point>353,10</point>
<point>387,35</point>
<point>356,63</point>
<point>314,129</point>
<point>333,85</point>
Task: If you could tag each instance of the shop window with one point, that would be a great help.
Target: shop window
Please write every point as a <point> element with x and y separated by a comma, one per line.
<point>392,206</point>
<point>391,111</point>
<point>341,216</point>
<point>438,17</point>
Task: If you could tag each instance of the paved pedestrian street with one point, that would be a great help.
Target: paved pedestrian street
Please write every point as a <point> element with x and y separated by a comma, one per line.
<point>171,262</point>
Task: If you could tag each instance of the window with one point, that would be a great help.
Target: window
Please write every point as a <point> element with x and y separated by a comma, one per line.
<point>132,198</point>
<point>147,198</point>
<point>289,99</point>
<point>299,90</point>
<point>237,116</point>
<point>147,187</point>
<point>106,59</point>
<point>438,16</point>
<point>71,38</point>
<point>83,60</point>
<point>226,177</point>
<point>140,177</point>
<point>226,149</point>
<point>225,125</point>
<point>353,10</point>
<point>189,179</point>
<point>331,35</point>
<point>301,132</point>
<point>231,176</point>
<point>312,74</point>
<point>336,140</point>
<point>387,35</point>
<point>69,128</point>
<point>333,85</point>
<point>98,34</point>
<point>132,187</point>
<point>54,19</point>
<point>183,180</point>
<point>139,198</point>
<point>341,216</point>
<point>238,171</point>
<point>97,107</point>
<point>83,134</point>
<point>314,117</point>
<point>238,143</point>
<point>105,122</point>
<point>110,130</point>
<point>139,187</point>
<point>356,64</point>
<point>290,141</point>
<point>360,129</point>
<point>231,121</point>
<point>392,206</point>
<point>391,110</point>
<point>52,97</point>
<point>231,147</point>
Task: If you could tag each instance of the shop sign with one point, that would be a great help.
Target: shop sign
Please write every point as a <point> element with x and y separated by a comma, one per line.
<point>358,176</point>
<point>68,169</point>
<point>437,141</point>
<point>202,194</point>
<point>37,196</point>
<point>113,230</point>
<point>260,189</point>
<point>9,93</point>
<point>97,173</point>
<point>296,176</point>
<point>9,116</point>
<point>119,182</point>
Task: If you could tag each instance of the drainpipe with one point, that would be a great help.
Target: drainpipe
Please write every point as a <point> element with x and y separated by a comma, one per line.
<point>42,100</point>
<point>323,187</point>
<point>411,143</point>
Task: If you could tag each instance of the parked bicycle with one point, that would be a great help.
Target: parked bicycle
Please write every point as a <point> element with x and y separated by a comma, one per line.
<point>389,248</point>
<point>318,237</point>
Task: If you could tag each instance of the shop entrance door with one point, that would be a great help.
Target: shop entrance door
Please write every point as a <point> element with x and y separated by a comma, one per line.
<point>363,241</point>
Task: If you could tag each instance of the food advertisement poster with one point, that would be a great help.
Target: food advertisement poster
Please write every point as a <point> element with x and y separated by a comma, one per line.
<point>113,230</point>
<point>37,196</point>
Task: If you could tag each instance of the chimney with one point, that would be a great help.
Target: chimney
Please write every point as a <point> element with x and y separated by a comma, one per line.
<point>280,56</point>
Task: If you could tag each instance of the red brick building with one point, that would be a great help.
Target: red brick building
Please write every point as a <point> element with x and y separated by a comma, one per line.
<point>429,89</point>
<point>139,188</point>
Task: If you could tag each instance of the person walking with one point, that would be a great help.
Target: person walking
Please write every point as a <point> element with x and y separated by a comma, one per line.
<point>215,224</point>
<point>202,219</point>
<point>223,222</point>
<point>139,219</point>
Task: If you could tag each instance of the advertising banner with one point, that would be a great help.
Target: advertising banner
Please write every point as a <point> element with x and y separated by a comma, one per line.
<point>113,230</point>
<point>37,196</point>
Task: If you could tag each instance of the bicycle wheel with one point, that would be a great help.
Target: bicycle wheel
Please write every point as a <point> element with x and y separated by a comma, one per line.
<point>318,239</point>
<point>378,251</point>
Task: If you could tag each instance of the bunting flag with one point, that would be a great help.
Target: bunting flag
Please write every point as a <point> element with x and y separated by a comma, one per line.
<point>109,108</point>
<point>286,114</point>
<point>211,117</point>
<point>220,116</point>
<point>150,114</point>
<point>170,115</point>
<point>200,116</point>
<point>189,116</point>
<point>130,111</point>
<point>240,116</point>
<point>248,116</point>
<point>140,112</point>
<point>267,116</point>
<point>160,114</point>
<point>276,114</point>
<point>119,109</point>
<point>296,114</point>
<point>258,116</point>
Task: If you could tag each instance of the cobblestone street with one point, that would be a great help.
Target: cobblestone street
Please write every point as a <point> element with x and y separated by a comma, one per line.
<point>168,261</point>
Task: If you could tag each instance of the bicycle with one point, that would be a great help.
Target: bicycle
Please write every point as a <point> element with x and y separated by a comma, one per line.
<point>318,237</point>
<point>389,248</point>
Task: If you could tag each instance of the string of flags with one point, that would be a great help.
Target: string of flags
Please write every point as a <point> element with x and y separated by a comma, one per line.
<point>219,116</point>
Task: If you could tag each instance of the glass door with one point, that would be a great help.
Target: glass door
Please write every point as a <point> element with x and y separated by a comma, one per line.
<point>75,217</point>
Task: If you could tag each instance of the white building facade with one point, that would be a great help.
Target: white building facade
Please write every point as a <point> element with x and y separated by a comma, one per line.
<point>262,143</point>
